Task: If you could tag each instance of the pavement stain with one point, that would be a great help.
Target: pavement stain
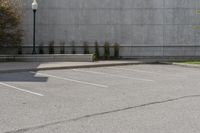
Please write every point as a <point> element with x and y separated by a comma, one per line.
<point>103,113</point>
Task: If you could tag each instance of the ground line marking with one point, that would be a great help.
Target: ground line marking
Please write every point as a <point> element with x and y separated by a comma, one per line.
<point>72,80</point>
<point>19,89</point>
<point>102,73</point>
<point>144,71</point>
<point>134,70</point>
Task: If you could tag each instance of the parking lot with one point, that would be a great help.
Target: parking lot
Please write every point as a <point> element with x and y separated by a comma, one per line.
<point>120,99</point>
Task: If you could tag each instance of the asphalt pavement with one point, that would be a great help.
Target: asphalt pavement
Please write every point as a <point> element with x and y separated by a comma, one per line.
<point>117,99</point>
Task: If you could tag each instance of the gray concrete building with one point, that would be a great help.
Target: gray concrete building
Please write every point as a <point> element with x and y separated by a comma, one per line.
<point>141,27</point>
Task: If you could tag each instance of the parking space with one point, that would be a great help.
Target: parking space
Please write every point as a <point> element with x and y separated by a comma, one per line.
<point>121,99</point>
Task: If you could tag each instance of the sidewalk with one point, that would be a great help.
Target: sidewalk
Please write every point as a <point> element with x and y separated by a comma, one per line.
<point>6,67</point>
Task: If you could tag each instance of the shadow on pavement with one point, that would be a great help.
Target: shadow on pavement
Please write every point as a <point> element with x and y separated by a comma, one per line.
<point>22,77</point>
<point>8,73</point>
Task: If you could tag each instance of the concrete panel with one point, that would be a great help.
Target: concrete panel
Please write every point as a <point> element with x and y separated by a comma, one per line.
<point>179,51</point>
<point>147,16</point>
<point>182,16</point>
<point>197,36</point>
<point>181,3</point>
<point>147,3</point>
<point>148,35</point>
<point>126,51</point>
<point>147,51</point>
<point>180,35</point>
<point>127,22</point>
<point>197,51</point>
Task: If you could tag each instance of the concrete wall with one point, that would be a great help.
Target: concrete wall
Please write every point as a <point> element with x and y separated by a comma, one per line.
<point>132,23</point>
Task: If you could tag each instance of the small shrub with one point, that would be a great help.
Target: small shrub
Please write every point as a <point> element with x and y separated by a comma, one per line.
<point>19,50</point>
<point>73,47</point>
<point>94,58</point>
<point>62,47</point>
<point>41,48</point>
<point>97,50</point>
<point>106,50</point>
<point>51,47</point>
<point>86,48</point>
<point>116,50</point>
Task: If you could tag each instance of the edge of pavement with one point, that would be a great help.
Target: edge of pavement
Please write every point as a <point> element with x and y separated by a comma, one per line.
<point>187,65</point>
<point>71,66</point>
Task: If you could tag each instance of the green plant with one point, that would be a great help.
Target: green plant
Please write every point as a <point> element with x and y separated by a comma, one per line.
<point>51,47</point>
<point>106,50</point>
<point>41,48</point>
<point>116,50</point>
<point>86,48</point>
<point>10,21</point>
<point>97,50</point>
<point>94,58</point>
<point>73,47</point>
<point>62,47</point>
<point>19,49</point>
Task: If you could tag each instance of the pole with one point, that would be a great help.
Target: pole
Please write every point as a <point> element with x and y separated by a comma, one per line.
<point>34,13</point>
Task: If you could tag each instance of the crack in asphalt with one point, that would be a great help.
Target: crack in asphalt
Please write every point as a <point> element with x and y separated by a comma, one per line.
<point>101,113</point>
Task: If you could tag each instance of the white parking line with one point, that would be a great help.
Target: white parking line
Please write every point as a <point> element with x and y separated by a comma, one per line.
<point>113,75</point>
<point>144,71</point>
<point>72,80</point>
<point>134,70</point>
<point>19,89</point>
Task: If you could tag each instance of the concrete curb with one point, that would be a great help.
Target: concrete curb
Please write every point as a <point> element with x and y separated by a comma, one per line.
<point>186,65</point>
<point>71,67</point>
<point>48,58</point>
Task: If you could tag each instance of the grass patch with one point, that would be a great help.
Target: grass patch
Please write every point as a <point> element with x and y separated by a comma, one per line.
<point>190,62</point>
